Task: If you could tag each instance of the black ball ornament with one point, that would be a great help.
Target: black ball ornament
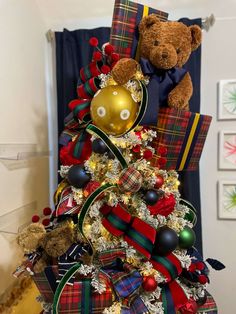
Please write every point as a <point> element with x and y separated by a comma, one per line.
<point>99,147</point>
<point>78,177</point>
<point>151,197</point>
<point>166,241</point>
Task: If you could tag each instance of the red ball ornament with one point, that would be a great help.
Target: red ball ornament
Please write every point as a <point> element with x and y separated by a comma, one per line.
<point>159,182</point>
<point>202,279</point>
<point>97,56</point>
<point>149,283</point>
<point>164,206</point>
<point>35,218</point>
<point>147,154</point>
<point>200,266</point>
<point>105,69</point>
<point>189,308</point>
<point>93,41</point>
<point>47,211</point>
<point>46,222</point>
<point>109,49</point>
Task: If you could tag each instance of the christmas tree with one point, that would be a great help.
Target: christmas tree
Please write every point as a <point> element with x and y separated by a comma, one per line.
<point>121,239</point>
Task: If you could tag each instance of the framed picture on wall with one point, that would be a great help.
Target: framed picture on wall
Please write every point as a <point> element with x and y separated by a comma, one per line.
<point>227,100</point>
<point>227,150</point>
<point>227,199</point>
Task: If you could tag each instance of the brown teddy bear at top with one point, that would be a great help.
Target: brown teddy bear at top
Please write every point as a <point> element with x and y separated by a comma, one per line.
<point>165,47</point>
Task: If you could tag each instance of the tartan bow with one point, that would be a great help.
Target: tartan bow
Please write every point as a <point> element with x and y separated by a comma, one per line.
<point>142,237</point>
<point>79,117</point>
<point>126,280</point>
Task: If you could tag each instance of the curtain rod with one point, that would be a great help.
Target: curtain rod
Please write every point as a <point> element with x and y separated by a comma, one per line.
<point>207,23</point>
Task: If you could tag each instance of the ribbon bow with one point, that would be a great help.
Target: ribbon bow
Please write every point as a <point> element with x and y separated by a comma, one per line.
<point>160,85</point>
<point>126,280</point>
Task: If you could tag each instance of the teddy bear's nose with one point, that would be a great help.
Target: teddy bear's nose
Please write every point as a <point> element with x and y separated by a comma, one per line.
<point>164,54</point>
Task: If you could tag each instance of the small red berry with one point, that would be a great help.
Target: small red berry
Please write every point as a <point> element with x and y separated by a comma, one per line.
<point>115,56</point>
<point>109,49</point>
<point>47,211</point>
<point>97,56</point>
<point>200,266</point>
<point>93,41</point>
<point>202,279</point>
<point>192,268</point>
<point>35,218</point>
<point>46,222</point>
<point>105,69</point>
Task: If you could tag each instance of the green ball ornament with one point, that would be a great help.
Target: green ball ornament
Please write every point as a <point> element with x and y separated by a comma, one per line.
<point>187,238</point>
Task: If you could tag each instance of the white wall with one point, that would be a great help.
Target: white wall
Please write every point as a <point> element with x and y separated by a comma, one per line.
<point>23,116</point>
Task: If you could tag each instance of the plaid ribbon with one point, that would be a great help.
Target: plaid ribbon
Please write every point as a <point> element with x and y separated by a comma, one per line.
<point>124,31</point>
<point>126,280</point>
<point>67,205</point>
<point>46,282</point>
<point>80,298</point>
<point>90,70</point>
<point>89,88</point>
<point>142,237</point>
<point>183,133</point>
<point>173,297</point>
<point>209,307</point>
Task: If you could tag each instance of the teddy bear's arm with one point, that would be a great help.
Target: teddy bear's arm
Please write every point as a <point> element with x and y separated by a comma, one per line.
<point>179,97</point>
<point>124,70</point>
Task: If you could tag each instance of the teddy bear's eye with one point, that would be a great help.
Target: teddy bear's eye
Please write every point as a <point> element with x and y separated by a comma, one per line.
<point>178,50</point>
<point>156,43</point>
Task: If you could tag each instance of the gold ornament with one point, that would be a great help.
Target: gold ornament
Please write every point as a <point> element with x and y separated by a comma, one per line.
<point>114,110</point>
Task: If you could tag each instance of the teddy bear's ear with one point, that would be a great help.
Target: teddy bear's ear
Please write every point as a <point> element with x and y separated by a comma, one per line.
<point>147,22</point>
<point>196,34</point>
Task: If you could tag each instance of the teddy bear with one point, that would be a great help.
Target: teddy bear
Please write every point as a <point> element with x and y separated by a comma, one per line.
<point>29,241</point>
<point>164,49</point>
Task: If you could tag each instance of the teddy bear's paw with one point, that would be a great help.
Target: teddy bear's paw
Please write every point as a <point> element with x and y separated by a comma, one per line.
<point>124,70</point>
<point>178,103</point>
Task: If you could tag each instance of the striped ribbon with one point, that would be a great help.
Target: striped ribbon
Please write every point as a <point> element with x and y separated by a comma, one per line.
<point>69,274</point>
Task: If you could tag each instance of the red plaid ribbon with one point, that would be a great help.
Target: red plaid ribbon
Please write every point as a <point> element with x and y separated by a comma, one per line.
<point>124,33</point>
<point>209,307</point>
<point>80,298</point>
<point>183,133</point>
<point>142,237</point>
<point>67,205</point>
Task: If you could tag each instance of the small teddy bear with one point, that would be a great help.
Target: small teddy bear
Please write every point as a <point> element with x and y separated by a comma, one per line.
<point>29,241</point>
<point>165,47</point>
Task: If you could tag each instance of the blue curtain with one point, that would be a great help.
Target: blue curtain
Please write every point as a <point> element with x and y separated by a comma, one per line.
<point>73,52</point>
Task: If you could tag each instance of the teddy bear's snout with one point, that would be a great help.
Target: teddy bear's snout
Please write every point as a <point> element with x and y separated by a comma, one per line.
<point>163,56</point>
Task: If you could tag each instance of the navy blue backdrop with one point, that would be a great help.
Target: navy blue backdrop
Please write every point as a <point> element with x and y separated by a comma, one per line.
<point>73,52</point>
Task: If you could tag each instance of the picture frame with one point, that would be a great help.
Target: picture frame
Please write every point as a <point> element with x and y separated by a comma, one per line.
<point>227,150</point>
<point>227,200</point>
<point>227,99</point>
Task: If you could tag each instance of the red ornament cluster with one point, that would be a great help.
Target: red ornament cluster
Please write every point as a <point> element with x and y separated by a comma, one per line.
<point>46,221</point>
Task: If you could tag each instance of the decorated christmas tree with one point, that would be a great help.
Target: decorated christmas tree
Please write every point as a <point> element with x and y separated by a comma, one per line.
<point>120,238</point>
